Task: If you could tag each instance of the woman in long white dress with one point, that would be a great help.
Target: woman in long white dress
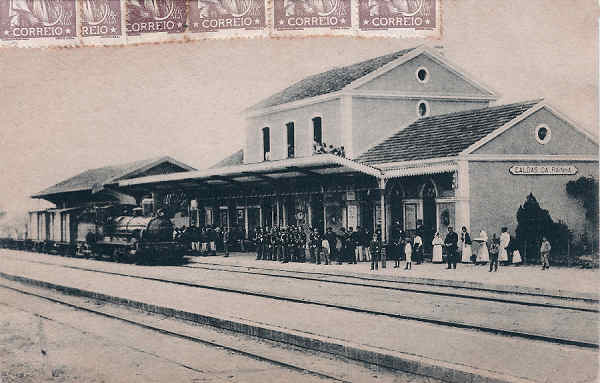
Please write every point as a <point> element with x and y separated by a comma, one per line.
<point>504,242</point>
<point>437,248</point>
<point>482,254</point>
<point>467,251</point>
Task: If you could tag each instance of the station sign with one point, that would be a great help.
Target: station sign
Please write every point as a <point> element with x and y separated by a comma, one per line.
<point>543,170</point>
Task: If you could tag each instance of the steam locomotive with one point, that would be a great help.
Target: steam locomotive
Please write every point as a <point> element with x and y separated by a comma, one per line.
<point>120,232</point>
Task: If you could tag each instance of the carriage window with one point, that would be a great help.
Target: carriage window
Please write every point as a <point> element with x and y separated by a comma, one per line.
<point>317,130</point>
<point>266,144</point>
<point>290,140</point>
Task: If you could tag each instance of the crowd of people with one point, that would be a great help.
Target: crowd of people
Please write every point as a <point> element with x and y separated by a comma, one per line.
<point>323,148</point>
<point>295,244</point>
<point>289,244</point>
<point>208,240</point>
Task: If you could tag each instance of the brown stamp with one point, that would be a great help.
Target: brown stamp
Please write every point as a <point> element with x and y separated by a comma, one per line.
<point>156,16</point>
<point>36,20</point>
<point>101,18</point>
<point>399,15</point>
<point>227,16</point>
<point>307,15</point>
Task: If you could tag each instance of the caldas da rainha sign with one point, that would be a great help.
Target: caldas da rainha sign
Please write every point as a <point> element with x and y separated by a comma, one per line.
<point>543,170</point>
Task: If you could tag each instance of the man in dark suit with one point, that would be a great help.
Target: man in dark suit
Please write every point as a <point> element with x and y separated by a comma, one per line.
<point>451,243</point>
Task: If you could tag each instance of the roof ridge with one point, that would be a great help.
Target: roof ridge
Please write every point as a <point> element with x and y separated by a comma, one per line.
<point>345,75</point>
<point>468,111</point>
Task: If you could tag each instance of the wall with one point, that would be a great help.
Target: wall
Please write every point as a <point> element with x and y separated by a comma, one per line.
<point>375,119</point>
<point>520,139</point>
<point>496,195</point>
<point>441,80</point>
<point>329,111</point>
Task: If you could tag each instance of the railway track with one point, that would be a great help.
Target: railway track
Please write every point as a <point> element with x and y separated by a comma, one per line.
<point>551,338</point>
<point>424,288</point>
<point>176,334</point>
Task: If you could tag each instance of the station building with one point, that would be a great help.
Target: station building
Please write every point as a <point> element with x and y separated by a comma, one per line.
<point>422,140</point>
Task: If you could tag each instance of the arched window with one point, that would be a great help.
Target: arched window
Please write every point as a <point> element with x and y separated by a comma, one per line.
<point>317,130</point>
<point>290,140</point>
<point>266,143</point>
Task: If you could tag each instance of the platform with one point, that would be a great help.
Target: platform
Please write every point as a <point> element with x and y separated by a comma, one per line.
<point>557,281</point>
<point>450,354</point>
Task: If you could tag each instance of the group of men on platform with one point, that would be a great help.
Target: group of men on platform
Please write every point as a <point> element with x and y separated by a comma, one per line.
<point>287,244</point>
<point>207,240</point>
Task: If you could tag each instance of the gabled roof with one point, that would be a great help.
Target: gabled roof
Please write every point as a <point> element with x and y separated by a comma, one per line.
<point>328,82</point>
<point>444,135</point>
<point>96,178</point>
<point>236,158</point>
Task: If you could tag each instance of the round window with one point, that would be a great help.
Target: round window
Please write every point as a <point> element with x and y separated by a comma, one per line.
<point>543,134</point>
<point>422,74</point>
<point>422,108</point>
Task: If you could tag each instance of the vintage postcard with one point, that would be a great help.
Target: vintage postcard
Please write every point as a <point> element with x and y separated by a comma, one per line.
<point>299,191</point>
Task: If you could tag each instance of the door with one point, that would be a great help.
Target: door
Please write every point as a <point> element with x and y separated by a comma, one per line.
<point>317,214</point>
<point>429,215</point>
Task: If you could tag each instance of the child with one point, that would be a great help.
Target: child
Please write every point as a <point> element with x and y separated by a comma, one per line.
<point>408,254</point>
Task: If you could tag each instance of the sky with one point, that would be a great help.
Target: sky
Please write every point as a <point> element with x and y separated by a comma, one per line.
<point>67,110</point>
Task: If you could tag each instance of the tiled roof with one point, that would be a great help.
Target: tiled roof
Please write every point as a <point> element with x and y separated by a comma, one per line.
<point>331,81</point>
<point>236,158</point>
<point>93,178</point>
<point>443,135</point>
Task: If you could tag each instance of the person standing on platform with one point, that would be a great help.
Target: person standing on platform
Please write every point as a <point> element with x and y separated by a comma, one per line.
<point>376,247</point>
<point>351,245</point>
<point>204,241</point>
<point>226,239</point>
<point>331,239</point>
<point>357,242</point>
<point>451,243</point>
<point>288,243</point>
<point>343,253</point>
<point>326,251</point>
<point>408,250</point>
<point>504,242</point>
<point>257,238</point>
<point>212,240</point>
<point>545,253</point>
<point>268,244</point>
<point>313,245</point>
<point>366,242</point>
<point>395,244</point>
<point>465,240</point>
<point>516,257</point>
<point>494,250</point>
<point>418,249</point>
<point>483,255</point>
<point>437,244</point>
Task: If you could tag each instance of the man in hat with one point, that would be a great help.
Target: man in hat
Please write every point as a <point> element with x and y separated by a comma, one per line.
<point>451,243</point>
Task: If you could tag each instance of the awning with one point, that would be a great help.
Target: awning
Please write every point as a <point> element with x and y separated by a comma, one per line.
<point>434,168</point>
<point>316,166</point>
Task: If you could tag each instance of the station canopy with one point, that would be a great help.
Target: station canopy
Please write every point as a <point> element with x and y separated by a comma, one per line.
<point>316,166</point>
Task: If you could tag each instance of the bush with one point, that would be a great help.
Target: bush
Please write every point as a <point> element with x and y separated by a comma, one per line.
<point>533,222</point>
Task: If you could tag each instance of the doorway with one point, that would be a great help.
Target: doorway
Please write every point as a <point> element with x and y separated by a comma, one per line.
<point>429,215</point>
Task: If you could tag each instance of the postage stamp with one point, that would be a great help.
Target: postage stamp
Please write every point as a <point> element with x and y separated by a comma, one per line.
<point>299,17</point>
<point>399,18</point>
<point>155,20</point>
<point>38,22</point>
<point>102,21</point>
<point>223,18</point>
